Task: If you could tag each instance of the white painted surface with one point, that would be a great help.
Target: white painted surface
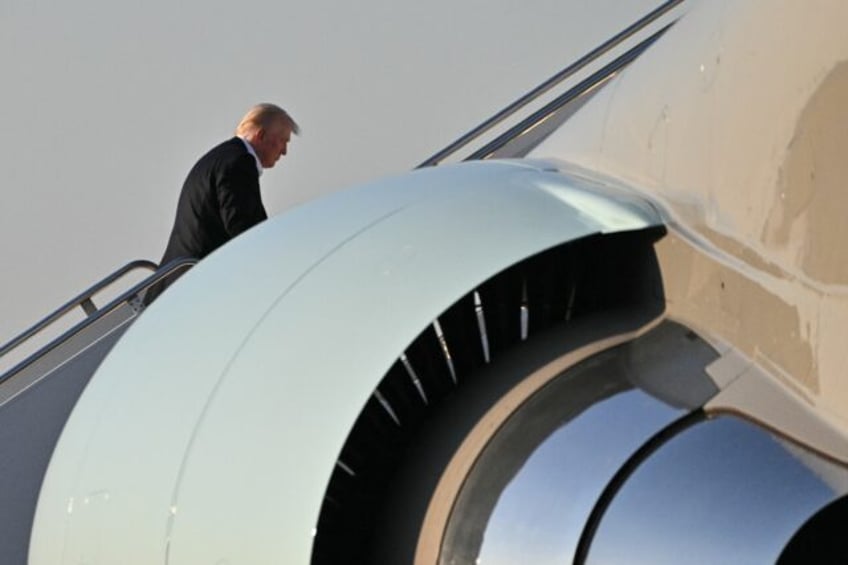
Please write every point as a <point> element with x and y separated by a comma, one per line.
<point>735,121</point>
<point>213,426</point>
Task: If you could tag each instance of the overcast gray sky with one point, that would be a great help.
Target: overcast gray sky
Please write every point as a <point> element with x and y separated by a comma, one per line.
<point>107,104</point>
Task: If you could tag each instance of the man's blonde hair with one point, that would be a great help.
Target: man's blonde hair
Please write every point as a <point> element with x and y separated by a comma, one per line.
<point>263,116</point>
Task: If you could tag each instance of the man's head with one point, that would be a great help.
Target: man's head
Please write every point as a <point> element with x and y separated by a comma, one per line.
<point>267,128</point>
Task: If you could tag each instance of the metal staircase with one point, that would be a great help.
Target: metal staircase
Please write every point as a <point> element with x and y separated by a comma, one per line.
<point>85,338</point>
<point>531,118</point>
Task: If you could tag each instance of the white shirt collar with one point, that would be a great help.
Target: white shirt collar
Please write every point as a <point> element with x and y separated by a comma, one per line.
<point>252,151</point>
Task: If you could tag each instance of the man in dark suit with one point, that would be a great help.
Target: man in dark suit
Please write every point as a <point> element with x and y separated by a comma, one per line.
<point>220,197</point>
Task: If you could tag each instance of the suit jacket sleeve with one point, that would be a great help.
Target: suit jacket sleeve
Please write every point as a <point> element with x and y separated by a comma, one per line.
<point>239,200</point>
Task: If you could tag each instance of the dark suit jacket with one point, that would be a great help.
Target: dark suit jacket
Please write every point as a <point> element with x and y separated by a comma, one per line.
<point>220,199</point>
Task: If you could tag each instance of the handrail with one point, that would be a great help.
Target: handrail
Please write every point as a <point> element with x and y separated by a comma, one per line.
<point>159,274</point>
<point>163,272</point>
<point>82,300</point>
<point>570,70</point>
<point>573,93</point>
